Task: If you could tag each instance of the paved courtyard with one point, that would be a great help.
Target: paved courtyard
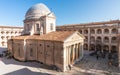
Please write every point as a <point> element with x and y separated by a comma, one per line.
<point>88,66</point>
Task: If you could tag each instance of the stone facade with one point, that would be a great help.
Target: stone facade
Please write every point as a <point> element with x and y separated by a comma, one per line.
<point>37,22</point>
<point>98,35</point>
<point>61,53</point>
<point>7,32</point>
<point>41,42</point>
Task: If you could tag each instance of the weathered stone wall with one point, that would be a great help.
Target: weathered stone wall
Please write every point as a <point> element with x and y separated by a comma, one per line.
<point>31,50</point>
<point>18,50</point>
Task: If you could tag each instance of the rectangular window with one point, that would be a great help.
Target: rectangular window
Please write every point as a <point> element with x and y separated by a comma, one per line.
<point>27,27</point>
<point>37,27</point>
<point>51,26</point>
<point>31,52</point>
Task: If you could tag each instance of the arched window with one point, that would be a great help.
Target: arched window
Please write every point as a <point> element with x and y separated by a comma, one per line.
<point>7,37</point>
<point>106,31</point>
<point>85,47</point>
<point>7,32</point>
<point>86,38</point>
<point>99,31</point>
<point>85,31</point>
<point>92,47</point>
<point>114,40</point>
<point>98,39</point>
<point>3,43</point>
<point>106,39</point>
<point>106,47</point>
<point>80,31</point>
<point>2,32</point>
<point>114,30</point>
<point>113,49</point>
<point>20,32</point>
<point>12,32</point>
<point>15,32</point>
<point>2,37</point>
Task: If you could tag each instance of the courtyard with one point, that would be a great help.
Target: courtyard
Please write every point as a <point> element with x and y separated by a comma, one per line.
<point>89,65</point>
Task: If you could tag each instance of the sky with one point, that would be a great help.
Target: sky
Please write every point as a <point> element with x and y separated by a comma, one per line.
<point>12,12</point>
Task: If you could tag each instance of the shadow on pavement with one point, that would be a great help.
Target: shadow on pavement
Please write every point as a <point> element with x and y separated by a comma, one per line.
<point>28,64</point>
<point>26,71</point>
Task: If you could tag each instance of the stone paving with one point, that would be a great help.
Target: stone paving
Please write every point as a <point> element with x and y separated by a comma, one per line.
<point>88,66</point>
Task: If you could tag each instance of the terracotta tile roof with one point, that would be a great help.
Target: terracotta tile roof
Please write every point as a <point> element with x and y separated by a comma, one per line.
<point>19,37</point>
<point>52,36</point>
<point>92,23</point>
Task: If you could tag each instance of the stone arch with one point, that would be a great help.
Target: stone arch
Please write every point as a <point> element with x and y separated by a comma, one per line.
<point>86,31</point>
<point>113,49</point>
<point>92,47</point>
<point>92,31</point>
<point>99,39</point>
<point>86,38</point>
<point>106,39</point>
<point>12,32</point>
<point>99,31</point>
<point>98,47</point>
<point>106,47</point>
<point>7,32</point>
<point>2,37</point>
<point>106,31</point>
<point>2,32</point>
<point>85,46</point>
<point>114,30</point>
<point>114,39</point>
<point>15,32</point>
<point>80,31</point>
<point>3,43</point>
<point>7,37</point>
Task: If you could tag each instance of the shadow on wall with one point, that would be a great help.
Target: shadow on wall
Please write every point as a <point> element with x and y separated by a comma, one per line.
<point>2,49</point>
<point>26,71</point>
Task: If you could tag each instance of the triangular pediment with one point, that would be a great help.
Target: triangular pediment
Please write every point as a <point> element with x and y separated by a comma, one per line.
<point>51,15</point>
<point>75,36</point>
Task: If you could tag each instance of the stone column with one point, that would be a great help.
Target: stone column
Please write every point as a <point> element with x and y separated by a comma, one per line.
<point>110,44</point>
<point>119,52</point>
<point>118,45</point>
<point>66,55</point>
<point>82,50</point>
<point>69,54</point>
<point>89,35</point>
<point>73,54</point>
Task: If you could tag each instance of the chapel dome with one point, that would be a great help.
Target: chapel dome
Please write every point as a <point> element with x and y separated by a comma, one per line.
<point>36,11</point>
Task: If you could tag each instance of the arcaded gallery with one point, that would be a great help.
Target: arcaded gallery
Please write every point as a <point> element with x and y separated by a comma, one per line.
<point>41,42</point>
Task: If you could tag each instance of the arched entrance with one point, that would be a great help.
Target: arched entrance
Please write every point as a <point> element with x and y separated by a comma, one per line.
<point>92,47</point>
<point>98,47</point>
<point>113,49</point>
<point>106,47</point>
<point>85,46</point>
